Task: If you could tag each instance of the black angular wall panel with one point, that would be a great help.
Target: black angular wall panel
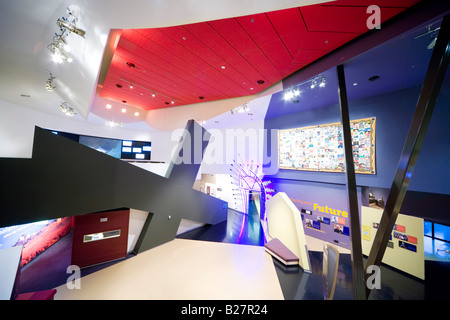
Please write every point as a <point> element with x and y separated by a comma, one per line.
<point>64,178</point>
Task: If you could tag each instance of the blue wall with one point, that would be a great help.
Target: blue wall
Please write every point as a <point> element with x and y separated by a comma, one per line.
<point>393,112</point>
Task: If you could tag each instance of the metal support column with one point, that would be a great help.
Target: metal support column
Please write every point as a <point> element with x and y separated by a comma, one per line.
<point>413,143</point>
<point>355,229</point>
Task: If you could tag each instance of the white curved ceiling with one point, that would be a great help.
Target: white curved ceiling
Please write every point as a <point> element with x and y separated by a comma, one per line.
<point>28,26</point>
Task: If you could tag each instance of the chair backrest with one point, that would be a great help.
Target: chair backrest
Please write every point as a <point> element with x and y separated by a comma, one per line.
<point>285,223</point>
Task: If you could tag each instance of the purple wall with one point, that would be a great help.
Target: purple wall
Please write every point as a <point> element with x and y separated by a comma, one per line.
<point>328,202</point>
<point>393,112</point>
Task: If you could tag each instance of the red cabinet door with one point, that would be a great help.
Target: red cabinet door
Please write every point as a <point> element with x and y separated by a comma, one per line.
<point>100,237</point>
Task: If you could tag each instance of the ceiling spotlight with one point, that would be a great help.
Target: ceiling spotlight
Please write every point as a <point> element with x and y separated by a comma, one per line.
<point>136,114</point>
<point>322,82</point>
<point>59,39</point>
<point>49,83</point>
<point>169,100</point>
<point>108,106</point>
<point>240,109</point>
<point>114,124</point>
<point>59,54</point>
<point>66,109</point>
<point>124,110</point>
<point>290,94</point>
<point>65,24</point>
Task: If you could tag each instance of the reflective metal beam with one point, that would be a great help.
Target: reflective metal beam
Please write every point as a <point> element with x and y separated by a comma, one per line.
<point>359,290</point>
<point>424,109</point>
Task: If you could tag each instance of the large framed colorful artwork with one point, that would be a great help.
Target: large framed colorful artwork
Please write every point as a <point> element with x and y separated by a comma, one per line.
<point>320,148</point>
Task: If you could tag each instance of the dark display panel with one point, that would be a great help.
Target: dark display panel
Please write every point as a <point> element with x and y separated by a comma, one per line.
<point>128,150</point>
<point>136,150</point>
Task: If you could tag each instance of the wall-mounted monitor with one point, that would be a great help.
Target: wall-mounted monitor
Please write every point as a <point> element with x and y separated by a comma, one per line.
<point>320,148</point>
<point>136,150</point>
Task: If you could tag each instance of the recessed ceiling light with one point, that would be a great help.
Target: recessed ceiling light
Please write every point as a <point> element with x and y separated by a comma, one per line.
<point>136,114</point>
<point>118,85</point>
<point>374,78</point>
<point>108,106</point>
<point>25,95</point>
<point>131,65</point>
<point>223,67</point>
<point>124,110</point>
<point>260,82</point>
<point>124,101</point>
<point>355,83</point>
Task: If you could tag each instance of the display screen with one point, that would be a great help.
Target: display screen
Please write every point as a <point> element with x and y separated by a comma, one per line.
<point>35,237</point>
<point>121,149</point>
<point>111,147</point>
<point>136,150</point>
<point>320,148</point>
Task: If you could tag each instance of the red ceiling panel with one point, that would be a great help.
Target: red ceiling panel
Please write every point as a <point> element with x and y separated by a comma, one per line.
<point>171,52</point>
<point>307,56</point>
<point>206,59</point>
<point>169,57</point>
<point>342,18</point>
<point>234,34</point>
<point>226,58</point>
<point>262,32</point>
<point>231,57</point>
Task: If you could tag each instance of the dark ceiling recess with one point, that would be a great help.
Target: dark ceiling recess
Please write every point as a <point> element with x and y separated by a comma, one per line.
<point>374,78</point>
<point>232,57</point>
